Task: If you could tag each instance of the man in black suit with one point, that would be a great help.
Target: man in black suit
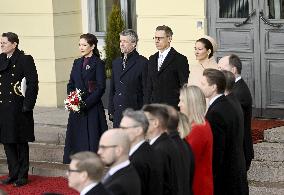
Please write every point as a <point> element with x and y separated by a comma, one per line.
<point>128,79</point>
<point>141,155</point>
<point>85,172</point>
<point>229,174</point>
<point>166,150</point>
<point>16,107</point>
<point>168,70</point>
<point>241,91</point>
<point>121,178</point>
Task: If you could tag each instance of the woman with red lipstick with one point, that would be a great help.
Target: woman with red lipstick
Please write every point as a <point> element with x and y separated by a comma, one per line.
<point>85,128</point>
<point>204,49</point>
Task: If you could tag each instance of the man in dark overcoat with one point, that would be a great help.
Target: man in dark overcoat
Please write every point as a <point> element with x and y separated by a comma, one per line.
<point>128,78</point>
<point>241,91</point>
<point>17,101</point>
<point>229,173</point>
<point>168,70</point>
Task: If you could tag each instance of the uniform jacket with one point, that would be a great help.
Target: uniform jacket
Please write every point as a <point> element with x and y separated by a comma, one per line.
<point>127,86</point>
<point>85,129</point>
<point>163,86</point>
<point>229,173</point>
<point>16,111</point>
<point>242,93</point>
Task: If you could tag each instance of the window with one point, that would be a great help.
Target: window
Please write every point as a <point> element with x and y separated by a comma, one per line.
<point>100,9</point>
<point>233,8</point>
<point>276,9</point>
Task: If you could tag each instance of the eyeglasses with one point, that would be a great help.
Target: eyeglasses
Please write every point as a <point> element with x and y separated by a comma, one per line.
<point>104,147</point>
<point>73,170</point>
<point>158,38</point>
<point>134,126</point>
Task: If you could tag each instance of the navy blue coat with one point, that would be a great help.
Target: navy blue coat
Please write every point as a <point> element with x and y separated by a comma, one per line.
<point>85,129</point>
<point>127,86</point>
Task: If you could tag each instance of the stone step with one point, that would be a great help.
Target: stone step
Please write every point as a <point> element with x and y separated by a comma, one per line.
<point>51,134</point>
<point>42,152</point>
<point>266,171</point>
<point>265,188</point>
<point>274,135</point>
<point>266,151</point>
<point>39,168</point>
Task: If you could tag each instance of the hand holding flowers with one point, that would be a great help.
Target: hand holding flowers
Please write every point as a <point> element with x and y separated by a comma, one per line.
<point>74,101</point>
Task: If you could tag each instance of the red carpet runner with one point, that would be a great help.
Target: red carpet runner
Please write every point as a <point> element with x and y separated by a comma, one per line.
<point>38,185</point>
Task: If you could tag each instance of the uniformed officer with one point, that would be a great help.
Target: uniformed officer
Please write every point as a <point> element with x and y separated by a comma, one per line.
<point>128,78</point>
<point>16,107</point>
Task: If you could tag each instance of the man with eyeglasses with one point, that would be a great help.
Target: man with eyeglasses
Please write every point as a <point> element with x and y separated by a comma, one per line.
<point>121,178</point>
<point>85,172</point>
<point>168,70</point>
<point>142,156</point>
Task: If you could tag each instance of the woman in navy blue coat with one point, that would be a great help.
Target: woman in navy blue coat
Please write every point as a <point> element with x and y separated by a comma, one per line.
<point>85,128</point>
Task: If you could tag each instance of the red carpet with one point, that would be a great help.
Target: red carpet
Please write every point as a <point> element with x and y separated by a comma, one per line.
<point>259,125</point>
<point>38,185</point>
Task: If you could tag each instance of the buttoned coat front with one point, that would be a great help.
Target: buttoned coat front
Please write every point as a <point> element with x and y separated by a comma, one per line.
<point>17,123</point>
<point>127,87</point>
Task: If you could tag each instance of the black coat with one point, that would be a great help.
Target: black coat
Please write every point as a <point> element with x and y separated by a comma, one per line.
<point>124,182</point>
<point>17,123</point>
<point>148,169</point>
<point>163,86</point>
<point>127,86</point>
<point>85,129</point>
<point>99,189</point>
<point>229,174</point>
<point>186,163</point>
<point>242,93</point>
<point>169,159</point>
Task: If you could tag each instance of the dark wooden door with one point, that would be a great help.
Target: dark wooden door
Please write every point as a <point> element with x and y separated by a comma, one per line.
<point>253,30</point>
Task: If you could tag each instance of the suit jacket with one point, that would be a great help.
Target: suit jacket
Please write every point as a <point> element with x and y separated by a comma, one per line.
<point>16,110</point>
<point>229,174</point>
<point>99,189</point>
<point>167,154</point>
<point>242,93</point>
<point>163,86</point>
<point>127,86</point>
<point>148,169</point>
<point>124,182</point>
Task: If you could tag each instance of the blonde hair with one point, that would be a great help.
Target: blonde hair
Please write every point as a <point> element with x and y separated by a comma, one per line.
<point>183,125</point>
<point>195,103</point>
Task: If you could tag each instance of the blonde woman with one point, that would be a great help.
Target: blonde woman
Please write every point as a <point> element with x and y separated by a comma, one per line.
<point>193,105</point>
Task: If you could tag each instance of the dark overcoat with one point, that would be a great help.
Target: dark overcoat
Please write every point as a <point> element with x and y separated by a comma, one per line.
<point>229,173</point>
<point>163,86</point>
<point>99,189</point>
<point>17,123</point>
<point>85,129</point>
<point>127,86</point>
<point>242,93</point>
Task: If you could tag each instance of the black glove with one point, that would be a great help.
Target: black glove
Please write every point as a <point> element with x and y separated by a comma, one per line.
<point>110,117</point>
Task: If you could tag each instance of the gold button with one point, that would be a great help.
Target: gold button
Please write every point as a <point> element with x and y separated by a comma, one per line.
<point>14,66</point>
<point>12,75</point>
<point>10,101</point>
<point>0,83</point>
<point>0,92</point>
<point>10,92</point>
<point>11,83</point>
<point>0,101</point>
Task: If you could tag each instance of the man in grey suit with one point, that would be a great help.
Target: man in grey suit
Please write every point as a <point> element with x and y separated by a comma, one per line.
<point>241,91</point>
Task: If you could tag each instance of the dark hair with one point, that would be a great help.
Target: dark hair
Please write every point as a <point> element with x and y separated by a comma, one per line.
<point>173,120</point>
<point>230,80</point>
<point>161,113</point>
<point>235,61</point>
<point>167,30</point>
<point>215,76</point>
<point>207,44</point>
<point>92,40</point>
<point>12,37</point>
<point>139,117</point>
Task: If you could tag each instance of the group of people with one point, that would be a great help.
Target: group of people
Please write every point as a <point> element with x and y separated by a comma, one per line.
<point>173,134</point>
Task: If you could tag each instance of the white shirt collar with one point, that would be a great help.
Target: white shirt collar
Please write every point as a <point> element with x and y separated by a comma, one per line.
<point>165,53</point>
<point>238,78</point>
<point>154,139</point>
<point>134,148</point>
<point>114,169</point>
<point>88,188</point>
<point>214,98</point>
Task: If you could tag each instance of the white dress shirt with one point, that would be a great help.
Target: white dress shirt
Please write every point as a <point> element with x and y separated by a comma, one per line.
<point>213,99</point>
<point>134,148</point>
<point>88,188</point>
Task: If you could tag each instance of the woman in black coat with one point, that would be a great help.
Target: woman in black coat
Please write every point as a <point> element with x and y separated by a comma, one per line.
<point>85,128</point>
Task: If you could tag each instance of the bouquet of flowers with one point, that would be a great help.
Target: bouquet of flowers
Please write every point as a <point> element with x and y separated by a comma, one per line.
<point>74,101</point>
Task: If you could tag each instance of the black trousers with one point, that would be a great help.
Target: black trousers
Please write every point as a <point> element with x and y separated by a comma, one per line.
<point>18,159</point>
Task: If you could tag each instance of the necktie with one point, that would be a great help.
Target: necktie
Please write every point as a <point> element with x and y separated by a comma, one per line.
<point>124,62</point>
<point>160,61</point>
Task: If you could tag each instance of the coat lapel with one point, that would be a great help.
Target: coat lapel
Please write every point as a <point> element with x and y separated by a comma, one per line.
<point>168,59</point>
<point>215,102</point>
<point>6,63</point>
<point>131,62</point>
